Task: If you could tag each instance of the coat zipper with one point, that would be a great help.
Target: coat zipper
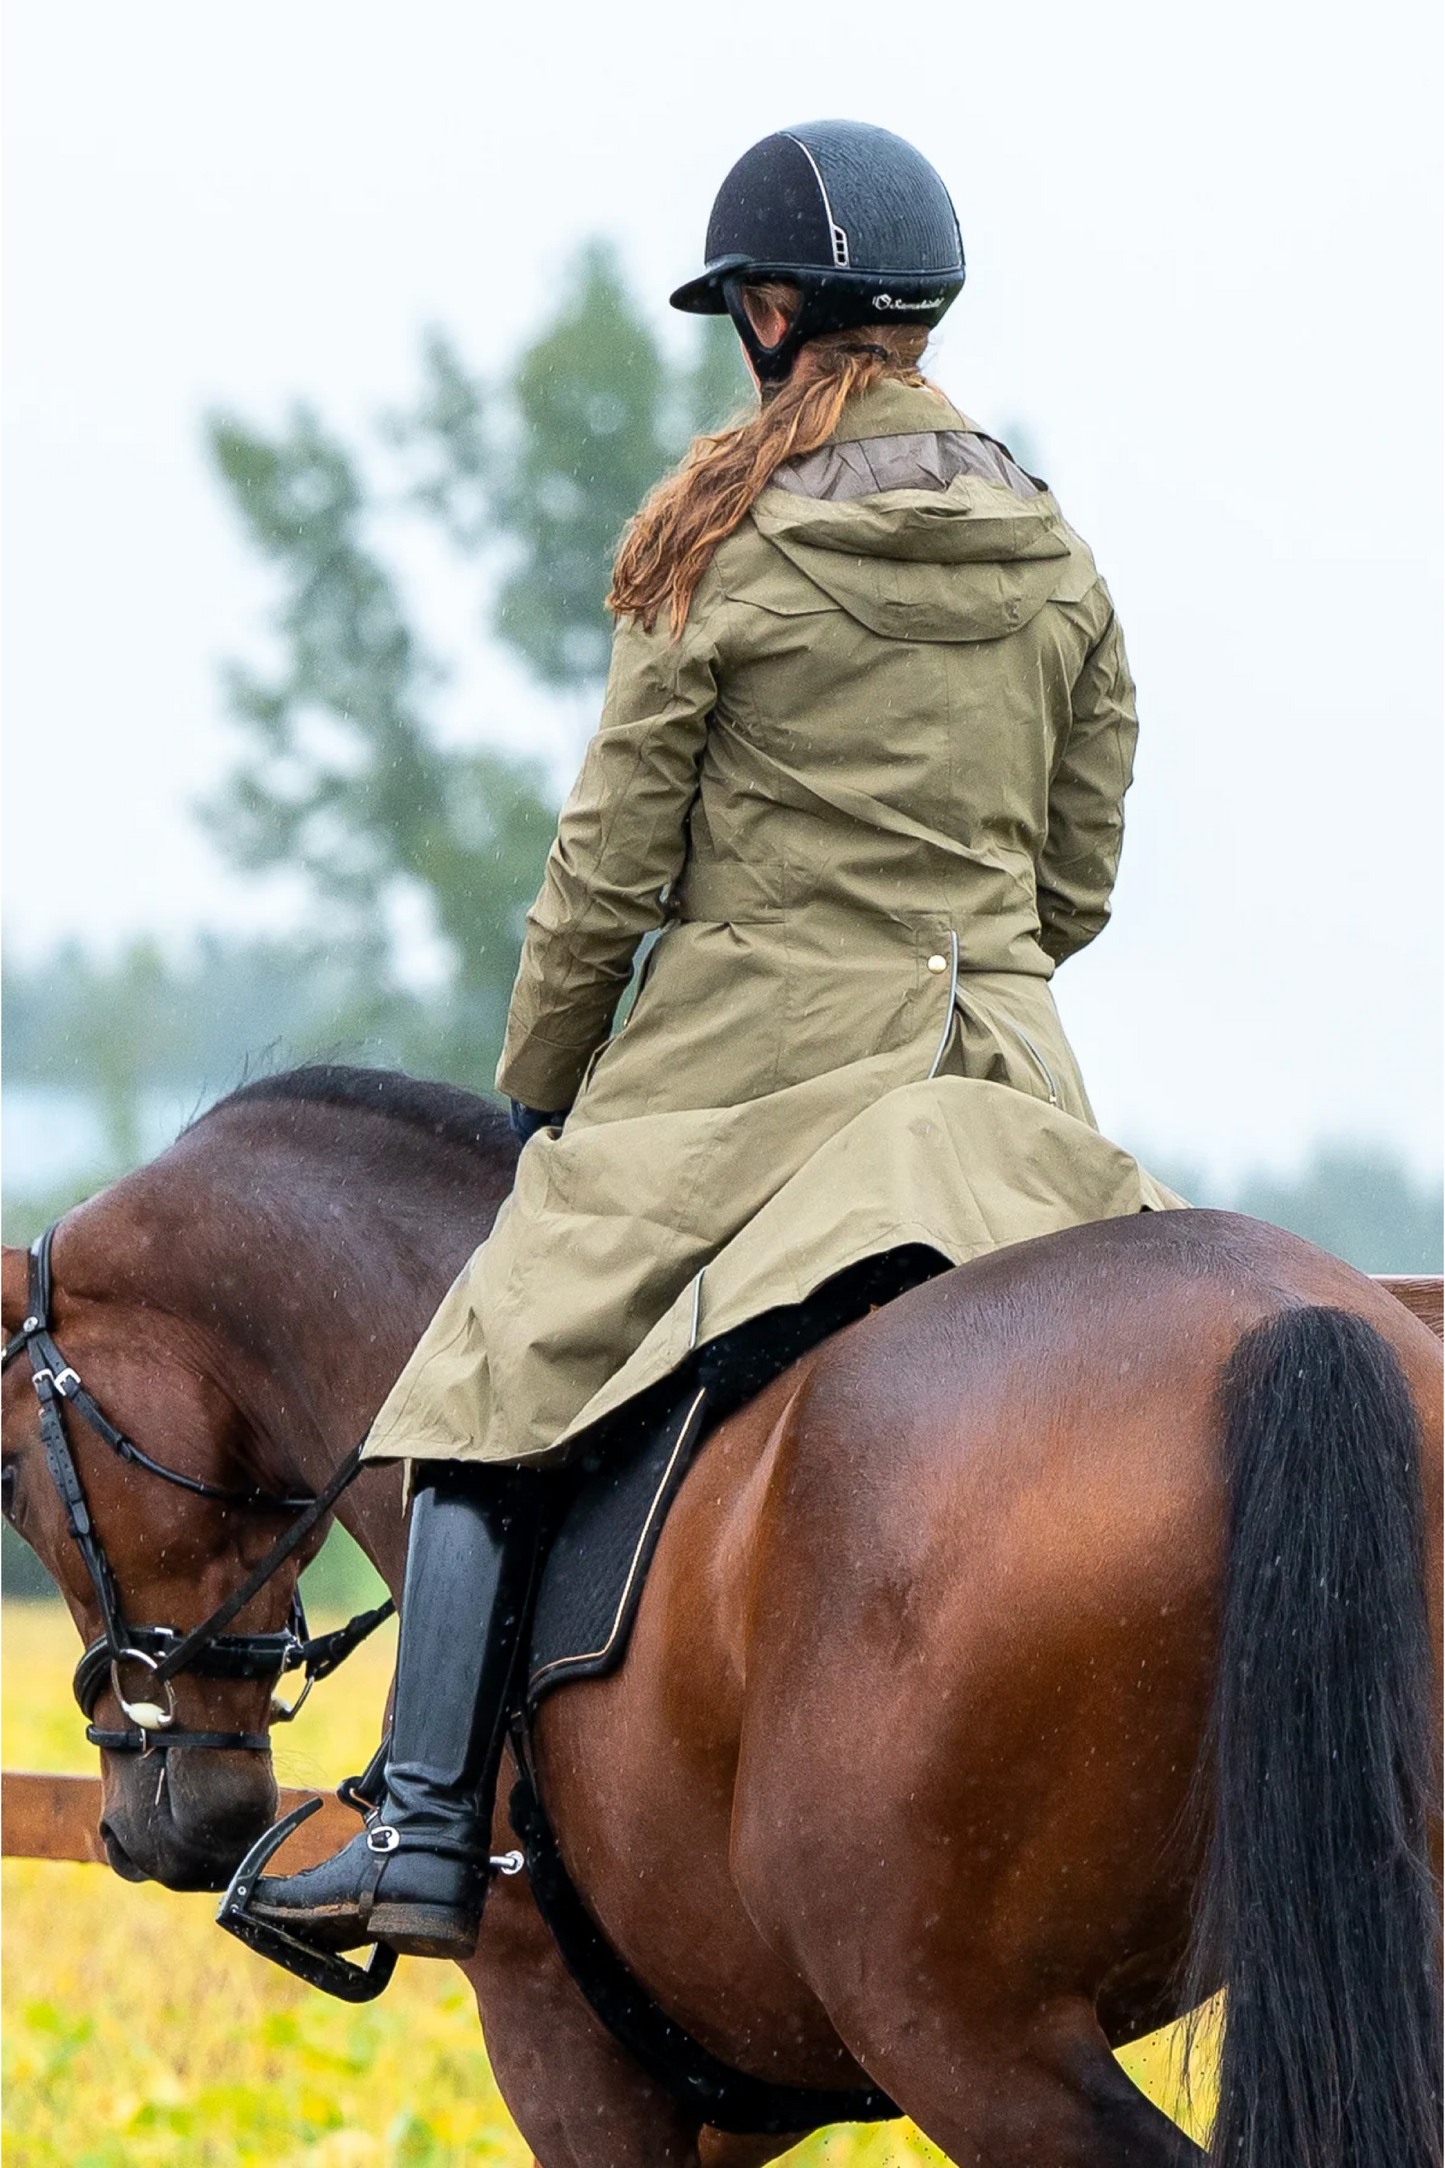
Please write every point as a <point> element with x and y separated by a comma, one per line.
<point>948,1019</point>
<point>1044,1069</point>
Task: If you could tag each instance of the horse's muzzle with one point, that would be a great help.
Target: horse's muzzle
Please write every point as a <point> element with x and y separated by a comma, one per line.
<point>184,1818</point>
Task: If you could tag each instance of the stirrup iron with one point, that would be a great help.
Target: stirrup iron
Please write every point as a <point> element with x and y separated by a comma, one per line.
<point>326,1969</point>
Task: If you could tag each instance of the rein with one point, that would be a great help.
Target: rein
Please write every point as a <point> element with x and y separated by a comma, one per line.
<point>165,1651</point>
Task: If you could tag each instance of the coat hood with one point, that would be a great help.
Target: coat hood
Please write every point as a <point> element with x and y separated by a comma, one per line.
<point>970,562</point>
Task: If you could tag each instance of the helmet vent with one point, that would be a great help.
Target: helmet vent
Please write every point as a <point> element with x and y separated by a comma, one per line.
<point>836,234</point>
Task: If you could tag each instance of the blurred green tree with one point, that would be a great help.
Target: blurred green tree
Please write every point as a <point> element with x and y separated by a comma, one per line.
<point>114,1025</point>
<point>342,777</point>
<point>1358,1202</point>
<point>342,774</point>
<point>543,473</point>
<point>588,436</point>
<point>719,388</point>
<point>142,1041</point>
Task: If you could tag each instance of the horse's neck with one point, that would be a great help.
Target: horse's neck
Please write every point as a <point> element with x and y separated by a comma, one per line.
<point>315,1285</point>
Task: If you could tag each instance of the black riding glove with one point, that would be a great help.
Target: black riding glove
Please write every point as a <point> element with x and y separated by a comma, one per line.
<point>526,1121</point>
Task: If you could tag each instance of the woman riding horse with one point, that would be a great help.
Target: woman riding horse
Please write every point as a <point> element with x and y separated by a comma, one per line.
<point>866,740</point>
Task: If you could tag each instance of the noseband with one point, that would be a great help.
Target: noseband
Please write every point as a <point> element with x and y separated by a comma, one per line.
<point>161,1652</point>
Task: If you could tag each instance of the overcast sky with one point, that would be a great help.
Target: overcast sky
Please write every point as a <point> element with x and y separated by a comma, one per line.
<point>1203,256</point>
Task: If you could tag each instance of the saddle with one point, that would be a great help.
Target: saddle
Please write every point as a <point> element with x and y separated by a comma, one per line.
<point>591,1585</point>
<point>596,1564</point>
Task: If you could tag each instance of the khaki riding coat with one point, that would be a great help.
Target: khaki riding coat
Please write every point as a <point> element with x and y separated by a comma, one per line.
<point>867,801</point>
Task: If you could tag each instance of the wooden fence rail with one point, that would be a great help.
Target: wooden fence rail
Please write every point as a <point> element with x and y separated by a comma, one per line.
<point>1421,1292</point>
<point>55,1817</point>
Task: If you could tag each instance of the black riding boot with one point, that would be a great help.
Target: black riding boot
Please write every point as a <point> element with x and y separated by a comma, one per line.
<point>417,1875</point>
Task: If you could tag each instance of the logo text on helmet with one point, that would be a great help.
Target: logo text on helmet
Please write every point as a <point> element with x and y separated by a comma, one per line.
<point>888,301</point>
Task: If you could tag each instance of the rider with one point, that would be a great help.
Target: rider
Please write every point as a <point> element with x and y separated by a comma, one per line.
<point>866,740</point>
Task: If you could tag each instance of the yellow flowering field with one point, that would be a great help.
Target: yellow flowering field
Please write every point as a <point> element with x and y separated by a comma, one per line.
<point>137,2035</point>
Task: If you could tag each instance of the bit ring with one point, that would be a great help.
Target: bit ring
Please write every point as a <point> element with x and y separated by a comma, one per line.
<point>145,1715</point>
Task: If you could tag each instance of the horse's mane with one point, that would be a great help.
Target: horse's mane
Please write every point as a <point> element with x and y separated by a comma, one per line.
<point>443,1111</point>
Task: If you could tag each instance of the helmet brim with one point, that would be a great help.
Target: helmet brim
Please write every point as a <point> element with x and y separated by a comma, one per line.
<point>703,296</point>
<point>923,295</point>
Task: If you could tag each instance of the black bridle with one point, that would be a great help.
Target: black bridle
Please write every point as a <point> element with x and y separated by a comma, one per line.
<point>164,1651</point>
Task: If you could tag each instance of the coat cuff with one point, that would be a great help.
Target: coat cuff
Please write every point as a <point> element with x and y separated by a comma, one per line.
<point>541,1075</point>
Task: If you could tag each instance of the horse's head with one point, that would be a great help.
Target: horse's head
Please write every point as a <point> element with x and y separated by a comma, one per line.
<point>182,1814</point>
<point>237,1310</point>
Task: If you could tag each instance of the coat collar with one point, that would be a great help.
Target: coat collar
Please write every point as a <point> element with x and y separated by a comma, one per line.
<point>891,409</point>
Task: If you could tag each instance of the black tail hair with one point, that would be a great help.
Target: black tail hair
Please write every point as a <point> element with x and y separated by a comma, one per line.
<point>1316,1910</point>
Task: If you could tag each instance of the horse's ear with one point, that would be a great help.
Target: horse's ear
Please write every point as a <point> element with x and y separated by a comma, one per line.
<point>15,1287</point>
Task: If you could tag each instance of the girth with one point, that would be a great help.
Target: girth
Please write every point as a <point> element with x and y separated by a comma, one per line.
<point>160,1653</point>
<point>727,2098</point>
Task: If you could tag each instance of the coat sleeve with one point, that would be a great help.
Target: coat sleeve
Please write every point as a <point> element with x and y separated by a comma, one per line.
<point>621,839</point>
<point>1080,858</point>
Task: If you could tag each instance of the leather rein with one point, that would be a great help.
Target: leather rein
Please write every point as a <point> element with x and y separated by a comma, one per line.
<point>162,1652</point>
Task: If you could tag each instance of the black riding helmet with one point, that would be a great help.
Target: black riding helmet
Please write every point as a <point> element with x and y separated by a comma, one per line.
<point>854,217</point>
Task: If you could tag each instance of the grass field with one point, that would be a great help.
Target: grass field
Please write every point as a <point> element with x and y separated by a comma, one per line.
<point>137,2035</point>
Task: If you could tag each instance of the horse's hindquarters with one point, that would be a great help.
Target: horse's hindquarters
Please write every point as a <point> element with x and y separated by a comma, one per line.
<point>920,1680</point>
<point>979,1656</point>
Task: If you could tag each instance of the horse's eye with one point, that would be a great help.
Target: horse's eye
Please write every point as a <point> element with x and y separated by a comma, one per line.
<point>7,1491</point>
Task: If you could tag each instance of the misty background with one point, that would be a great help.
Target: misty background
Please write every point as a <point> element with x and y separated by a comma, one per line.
<point>337,352</point>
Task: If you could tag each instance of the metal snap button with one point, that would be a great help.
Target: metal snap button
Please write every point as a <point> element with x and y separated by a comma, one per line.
<point>938,963</point>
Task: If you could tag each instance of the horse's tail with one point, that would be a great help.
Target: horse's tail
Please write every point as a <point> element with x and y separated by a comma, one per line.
<point>1316,1907</point>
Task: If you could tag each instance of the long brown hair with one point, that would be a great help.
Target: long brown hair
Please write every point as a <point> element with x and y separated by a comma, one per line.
<point>667,547</point>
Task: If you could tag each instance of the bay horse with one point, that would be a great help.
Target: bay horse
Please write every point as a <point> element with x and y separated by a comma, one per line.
<point>1071,1605</point>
